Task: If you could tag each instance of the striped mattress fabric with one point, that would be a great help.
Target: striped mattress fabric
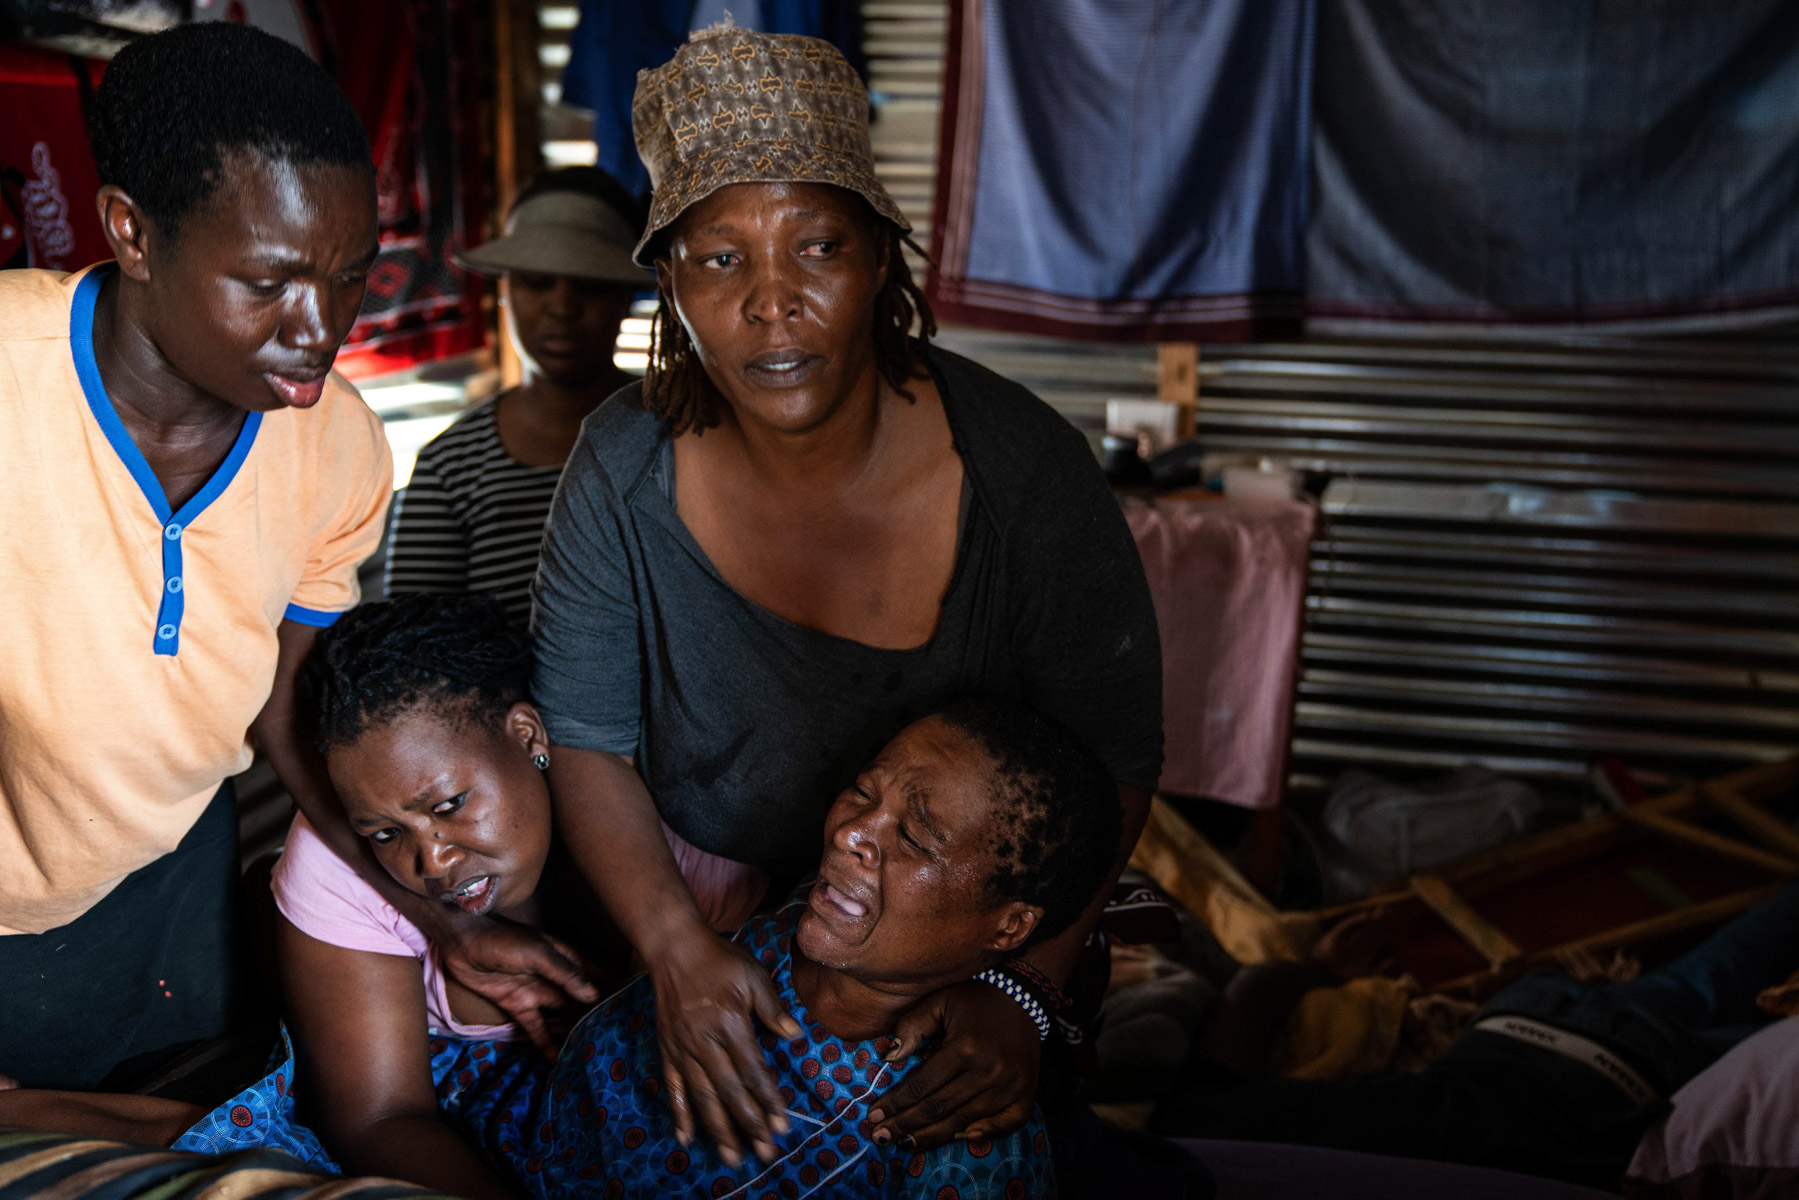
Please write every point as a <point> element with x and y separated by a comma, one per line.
<point>34,1164</point>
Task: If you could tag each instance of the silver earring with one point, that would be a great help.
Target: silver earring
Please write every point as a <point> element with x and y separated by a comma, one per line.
<point>541,761</point>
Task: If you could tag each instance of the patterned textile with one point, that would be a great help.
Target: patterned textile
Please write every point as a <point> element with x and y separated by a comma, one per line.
<point>1124,172</point>
<point>612,42</point>
<point>35,1164</point>
<point>413,70</point>
<point>608,1079</point>
<point>595,1123</point>
<point>735,106</point>
<point>483,1087</point>
<point>47,177</point>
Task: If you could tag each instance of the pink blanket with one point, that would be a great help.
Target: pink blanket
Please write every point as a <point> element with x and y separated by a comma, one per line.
<point>1229,584</point>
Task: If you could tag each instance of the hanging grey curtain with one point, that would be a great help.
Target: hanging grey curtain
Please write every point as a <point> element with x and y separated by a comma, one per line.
<point>1631,162</point>
<point>1124,170</point>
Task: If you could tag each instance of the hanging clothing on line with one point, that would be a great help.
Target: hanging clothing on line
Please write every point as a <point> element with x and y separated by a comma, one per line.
<point>412,70</point>
<point>47,178</point>
<point>1124,172</point>
<point>1549,163</point>
<point>612,42</point>
<point>422,116</point>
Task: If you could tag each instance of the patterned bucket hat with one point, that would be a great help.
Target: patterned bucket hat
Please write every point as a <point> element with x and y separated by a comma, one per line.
<point>737,106</point>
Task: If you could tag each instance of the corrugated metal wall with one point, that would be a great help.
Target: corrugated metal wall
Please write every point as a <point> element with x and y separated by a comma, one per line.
<point>1533,555</point>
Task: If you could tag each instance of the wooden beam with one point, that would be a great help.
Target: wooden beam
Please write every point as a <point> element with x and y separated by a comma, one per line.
<point>1765,780</point>
<point>517,127</point>
<point>1710,912</point>
<point>1180,859</point>
<point>1566,844</point>
<point>1474,929</point>
<point>1503,865</point>
<point>1688,834</point>
<point>1177,381</point>
<point>1757,822</point>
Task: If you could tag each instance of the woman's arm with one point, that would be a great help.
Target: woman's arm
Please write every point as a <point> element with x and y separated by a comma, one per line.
<point>515,967</point>
<point>150,1120</point>
<point>1082,629</point>
<point>708,991</point>
<point>359,1024</point>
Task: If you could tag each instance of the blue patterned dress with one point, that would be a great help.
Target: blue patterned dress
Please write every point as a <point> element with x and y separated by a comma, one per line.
<point>595,1125</point>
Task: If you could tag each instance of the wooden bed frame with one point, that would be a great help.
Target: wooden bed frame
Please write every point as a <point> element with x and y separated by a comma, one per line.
<point>1479,923</point>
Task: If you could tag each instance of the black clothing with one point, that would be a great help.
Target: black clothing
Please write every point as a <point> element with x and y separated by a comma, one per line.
<point>148,969</point>
<point>746,726</point>
<point>1490,1101</point>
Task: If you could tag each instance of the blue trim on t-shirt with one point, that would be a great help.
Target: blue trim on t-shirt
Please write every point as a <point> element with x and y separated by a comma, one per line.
<point>166,638</point>
<point>311,616</point>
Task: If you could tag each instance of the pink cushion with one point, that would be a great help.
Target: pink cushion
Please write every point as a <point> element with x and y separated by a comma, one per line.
<point>1734,1131</point>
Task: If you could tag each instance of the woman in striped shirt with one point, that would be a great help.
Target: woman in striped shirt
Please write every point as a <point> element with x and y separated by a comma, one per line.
<point>472,516</point>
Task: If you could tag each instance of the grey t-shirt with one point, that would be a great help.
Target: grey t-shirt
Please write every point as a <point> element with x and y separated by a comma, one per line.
<point>745,726</point>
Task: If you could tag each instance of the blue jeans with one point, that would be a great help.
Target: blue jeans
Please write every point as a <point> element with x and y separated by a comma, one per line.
<point>1713,987</point>
<point>1676,1019</point>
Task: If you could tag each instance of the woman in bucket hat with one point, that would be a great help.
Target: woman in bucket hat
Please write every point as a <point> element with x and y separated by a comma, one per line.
<point>471,517</point>
<point>805,527</point>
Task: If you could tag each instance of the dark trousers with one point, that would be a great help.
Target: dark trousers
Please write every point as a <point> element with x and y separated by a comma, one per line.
<point>1493,1101</point>
<point>1489,1102</point>
<point>103,1001</point>
<point>1712,988</point>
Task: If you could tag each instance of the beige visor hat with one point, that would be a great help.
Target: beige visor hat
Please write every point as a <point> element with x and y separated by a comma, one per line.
<point>562,233</point>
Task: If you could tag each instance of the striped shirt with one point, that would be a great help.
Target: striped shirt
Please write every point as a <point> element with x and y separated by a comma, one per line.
<point>471,517</point>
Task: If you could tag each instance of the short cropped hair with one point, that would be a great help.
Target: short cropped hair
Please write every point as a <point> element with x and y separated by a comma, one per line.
<point>173,104</point>
<point>454,655</point>
<point>1057,821</point>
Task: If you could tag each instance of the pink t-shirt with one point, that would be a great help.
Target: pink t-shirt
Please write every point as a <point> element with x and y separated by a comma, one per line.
<point>326,899</point>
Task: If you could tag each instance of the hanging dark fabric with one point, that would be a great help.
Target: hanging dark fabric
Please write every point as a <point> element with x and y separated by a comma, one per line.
<point>1124,171</point>
<point>1552,162</point>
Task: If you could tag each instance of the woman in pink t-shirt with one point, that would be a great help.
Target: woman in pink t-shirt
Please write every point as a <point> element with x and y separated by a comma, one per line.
<point>438,758</point>
<point>438,755</point>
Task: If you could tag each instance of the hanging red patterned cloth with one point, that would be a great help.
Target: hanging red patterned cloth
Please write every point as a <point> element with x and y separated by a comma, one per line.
<point>412,68</point>
<point>47,181</point>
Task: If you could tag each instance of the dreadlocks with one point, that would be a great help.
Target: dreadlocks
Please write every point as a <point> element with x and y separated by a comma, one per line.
<point>677,388</point>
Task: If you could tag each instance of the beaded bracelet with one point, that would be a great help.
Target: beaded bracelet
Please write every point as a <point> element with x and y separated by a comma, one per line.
<point>1051,996</point>
<point>1022,996</point>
